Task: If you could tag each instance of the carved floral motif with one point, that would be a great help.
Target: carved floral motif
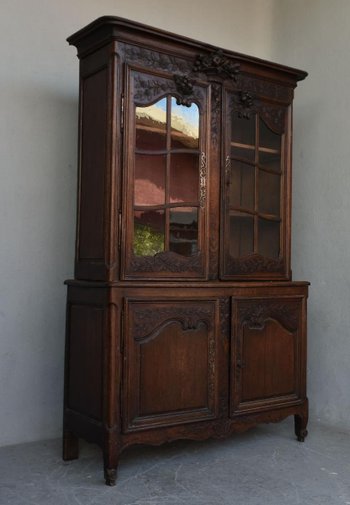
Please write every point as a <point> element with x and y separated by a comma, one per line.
<point>252,264</point>
<point>255,315</point>
<point>259,87</point>
<point>215,113</point>
<point>147,90</point>
<point>184,87</point>
<point>155,60</point>
<point>216,63</point>
<point>147,319</point>
<point>167,262</point>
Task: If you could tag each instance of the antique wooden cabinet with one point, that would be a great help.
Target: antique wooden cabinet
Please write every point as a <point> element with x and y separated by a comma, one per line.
<point>182,319</point>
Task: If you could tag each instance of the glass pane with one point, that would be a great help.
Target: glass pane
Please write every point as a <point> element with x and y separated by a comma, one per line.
<point>151,126</point>
<point>242,185</point>
<point>268,138</point>
<point>183,237</point>
<point>184,177</point>
<point>245,153</point>
<point>241,235</point>
<point>184,126</point>
<point>243,130</point>
<point>148,232</point>
<point>149,179</point>
<point>270,160</point>
<point>269,238</point>
<point>269,193</point>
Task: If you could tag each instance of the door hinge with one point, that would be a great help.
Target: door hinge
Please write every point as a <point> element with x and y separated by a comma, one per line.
<point>122,112</point>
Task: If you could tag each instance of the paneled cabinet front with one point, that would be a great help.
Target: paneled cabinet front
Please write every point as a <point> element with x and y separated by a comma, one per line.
<point>171,362</point>
<point>268,353</point>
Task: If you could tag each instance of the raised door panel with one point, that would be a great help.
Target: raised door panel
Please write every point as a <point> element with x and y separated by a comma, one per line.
<point>268,345</point>
<point>256,186</point>
<point>171,361</point>
<point>165,177</point>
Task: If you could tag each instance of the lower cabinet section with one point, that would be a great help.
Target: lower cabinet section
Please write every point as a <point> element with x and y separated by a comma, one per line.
<point>148,368</point>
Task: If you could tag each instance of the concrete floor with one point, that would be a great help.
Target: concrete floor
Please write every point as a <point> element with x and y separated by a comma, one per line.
<point>265,466</point>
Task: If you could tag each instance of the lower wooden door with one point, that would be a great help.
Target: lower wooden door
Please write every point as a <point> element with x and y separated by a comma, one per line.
<point>268,353</point>
<point>171,361</point>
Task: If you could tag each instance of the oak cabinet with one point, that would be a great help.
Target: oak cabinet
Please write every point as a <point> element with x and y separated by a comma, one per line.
<point>182,318</point>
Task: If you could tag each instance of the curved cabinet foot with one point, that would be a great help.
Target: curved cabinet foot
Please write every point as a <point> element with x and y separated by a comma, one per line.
<point>300,423</point>
<point>70,449</point>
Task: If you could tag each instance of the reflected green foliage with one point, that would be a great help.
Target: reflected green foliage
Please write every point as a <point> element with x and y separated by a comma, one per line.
<point>147,242</point>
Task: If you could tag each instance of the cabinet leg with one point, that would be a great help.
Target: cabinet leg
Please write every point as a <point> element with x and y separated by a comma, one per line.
<point>300,423</point>
<point>70,446</point>
<point>111,460</point>
<point>110,476</point>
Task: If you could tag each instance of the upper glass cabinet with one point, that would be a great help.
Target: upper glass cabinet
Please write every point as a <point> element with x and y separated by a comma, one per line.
<point>167,186</point>
<point>253,181</point>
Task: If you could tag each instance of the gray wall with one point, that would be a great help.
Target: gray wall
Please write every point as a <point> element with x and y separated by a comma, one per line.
<point>314,35</point>
<point>38,135</point>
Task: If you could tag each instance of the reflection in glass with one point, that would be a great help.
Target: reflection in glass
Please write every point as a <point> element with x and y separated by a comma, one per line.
<point>242,185</point>
<point>149,179</point>
<point>269,238</point>
<point>183,237</point>
<point>184,126</point>
<point>243,129</point>
<point>268,138</point>
<point>269,160</point>
<point>184,177</point>
<point>241,235</point>
<point>269,193</point>
<point>151,126</point>
<point>148,232</point>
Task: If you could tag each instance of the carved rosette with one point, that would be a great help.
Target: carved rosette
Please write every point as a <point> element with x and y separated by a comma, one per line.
<point>216,64</point>
<point>244,104</point>
<point>255,314</point>
<point>184,87</point>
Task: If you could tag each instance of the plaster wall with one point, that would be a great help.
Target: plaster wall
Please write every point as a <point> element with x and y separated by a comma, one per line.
<point>38,144</point>
<point>314,35</point>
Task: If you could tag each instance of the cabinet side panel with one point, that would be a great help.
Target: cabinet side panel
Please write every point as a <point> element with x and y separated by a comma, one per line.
<point>85,360</point>
<point>93,167</point>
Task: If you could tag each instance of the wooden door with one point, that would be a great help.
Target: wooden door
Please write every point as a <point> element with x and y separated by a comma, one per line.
<point>171,362</point>
<point>165,156</point>
<point>268,353</point>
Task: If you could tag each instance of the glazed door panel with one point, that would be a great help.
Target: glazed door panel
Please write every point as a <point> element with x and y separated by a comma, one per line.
<point>255,239</point>
<point>268,350</point>
<point>165,179</point>
<point>171,362</point>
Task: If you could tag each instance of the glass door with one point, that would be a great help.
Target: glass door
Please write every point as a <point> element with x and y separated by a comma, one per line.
<point>166,187</point>
<point>254,214</point>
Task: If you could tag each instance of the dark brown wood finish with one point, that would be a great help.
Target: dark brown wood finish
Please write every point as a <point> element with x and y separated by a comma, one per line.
<point>182,320</point>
